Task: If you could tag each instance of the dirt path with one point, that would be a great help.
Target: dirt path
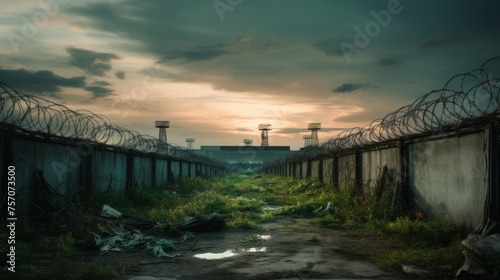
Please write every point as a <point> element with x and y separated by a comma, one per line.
<point>286,248</point>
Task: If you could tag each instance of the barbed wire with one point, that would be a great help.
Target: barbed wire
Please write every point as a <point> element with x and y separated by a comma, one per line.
<point>41,116</point>
<point>465,99</point>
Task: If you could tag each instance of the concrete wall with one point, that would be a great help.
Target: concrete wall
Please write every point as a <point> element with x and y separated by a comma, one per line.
<point>449,177</point>
<point>347,171</point>
<point>298,173</point>
<point>328,171</point>
<point>71,169</point>
<point>304,169</point>
<point>185,169</point>
<point>446,174</point>
<point>192,168</point>
<point>373,163</point>
<point>109,169</point>
<point>175,168</point>
<point>143,171</point>
<point>161,177</point>
<point>315,169</point>
<point>60,171</point>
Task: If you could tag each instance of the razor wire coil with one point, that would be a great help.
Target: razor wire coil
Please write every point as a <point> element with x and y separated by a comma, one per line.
<point>465,99</point>
<point>38,115</point>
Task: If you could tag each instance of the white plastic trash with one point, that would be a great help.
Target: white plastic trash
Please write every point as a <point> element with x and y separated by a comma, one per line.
<point>109,212</point>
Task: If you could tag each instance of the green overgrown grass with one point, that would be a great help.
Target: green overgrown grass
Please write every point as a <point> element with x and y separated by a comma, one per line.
<point>403,237</point>
<point>239,198</point>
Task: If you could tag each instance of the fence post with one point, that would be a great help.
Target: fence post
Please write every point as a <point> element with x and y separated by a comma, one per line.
<point>404,157</point>
<point>320,171</point>
<point>86,173</point>
<point>494,170</point>
<point>335,172</point>
<point>359,170</point>
<point>130,171</point>
<point>170,173</point>
<point>180,170</point>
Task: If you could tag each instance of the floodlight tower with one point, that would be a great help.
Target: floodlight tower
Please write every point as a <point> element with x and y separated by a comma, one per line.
<point>190,142</point>
<point>314,127</point>
<point>307,140</point>
<point>162,125</point>
<point>264,128</point>
<point>248,142</point>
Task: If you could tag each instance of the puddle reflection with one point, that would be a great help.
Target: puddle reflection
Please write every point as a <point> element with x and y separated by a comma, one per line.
<point>216,256</point>
<point>253,250</point>
<point>228,253</point>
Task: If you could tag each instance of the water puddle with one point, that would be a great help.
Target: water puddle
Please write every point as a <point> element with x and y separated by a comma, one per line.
<point>263,237</point>
<point>254,250</point>
<point>228,253</point>
<point>216,256</point>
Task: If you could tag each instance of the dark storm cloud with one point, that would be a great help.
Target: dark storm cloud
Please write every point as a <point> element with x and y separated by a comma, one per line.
<point>238,46</point>
<point>101,83</point>
<point>450,39</point>
<point>201,53</point>
<point>394,60</point>
<point>351,87</point>
<point>165,29</point>
<point>261,45</point>
<point>193,36</point>
<point>389,61</point>
<point>39,82</point>
<point>329,47</point>
<point>94,63</point>
<point>292,130</point>
<point>99,91</point>
<point>120,75</point>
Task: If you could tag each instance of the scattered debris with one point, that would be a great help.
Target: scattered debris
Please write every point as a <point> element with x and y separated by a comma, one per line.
<point>471,269</point>
<point>130,222</point>
<point>128,234</point>
<point>205,223</point>
<point>412,269</point>
<point>120,239</point>
<point>108,212</point>
<point>479,247</point>
<point>486,229</point>
<point>327,208</point>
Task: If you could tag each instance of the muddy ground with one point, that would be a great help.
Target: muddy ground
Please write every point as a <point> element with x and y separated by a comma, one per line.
<point>285,248</point>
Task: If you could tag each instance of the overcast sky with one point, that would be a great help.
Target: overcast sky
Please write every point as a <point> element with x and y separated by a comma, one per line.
<point>217,69</point>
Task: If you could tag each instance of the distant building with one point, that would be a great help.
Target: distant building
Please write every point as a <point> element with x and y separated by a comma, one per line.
<point>244,154</point>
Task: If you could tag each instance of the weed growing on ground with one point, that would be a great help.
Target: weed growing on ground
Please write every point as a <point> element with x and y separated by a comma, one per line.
<point>239,199</point>
<point>314,238</point>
